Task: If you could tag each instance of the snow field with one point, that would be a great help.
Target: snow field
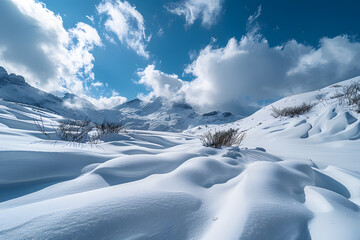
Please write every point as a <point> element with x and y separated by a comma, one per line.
<point>302,183</point>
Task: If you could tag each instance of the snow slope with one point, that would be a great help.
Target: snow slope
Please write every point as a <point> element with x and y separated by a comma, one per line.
<point>329,132</point>
<point>157,114</point>
<point>162,185</point>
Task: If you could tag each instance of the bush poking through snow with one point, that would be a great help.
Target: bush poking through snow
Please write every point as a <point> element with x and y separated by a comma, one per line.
<point>351,95</point>
<point>291,111</point>
<point>81,131</point>
<point>39,123</point>
<point>225,138</point>
<point>107,127</point>
<point>74,130</point>
<point>320,97</point>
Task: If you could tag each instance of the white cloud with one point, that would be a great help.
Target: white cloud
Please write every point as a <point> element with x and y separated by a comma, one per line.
<point>35,44</point>
<point>97,84</point>
<point>247,71</point>
<point>95,103</point>
<point>336,59</point>
<point>206,10</point>
<point>80,53</point>
<point>107,102</point>
<point>255,16</point>
<point>91,18</point>
<point>110,39</point>
<point>160,84</point>
<point>127,23</point>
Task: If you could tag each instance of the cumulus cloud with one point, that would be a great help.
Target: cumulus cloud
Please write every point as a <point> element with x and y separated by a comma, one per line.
<point>206,10</point>
<point>107,102</point>
<point>126,23</point>
<point>336,59</point>
<point>80,53</point>
<point>160,84</point>
<point>76,102</point>
<point>246,72</point>
<point>35,44</point>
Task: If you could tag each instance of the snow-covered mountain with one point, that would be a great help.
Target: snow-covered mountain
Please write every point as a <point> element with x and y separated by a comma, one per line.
<point>14,88</point>
<point>157,114</point>
<point>292,178</point>
<point>160,115</point>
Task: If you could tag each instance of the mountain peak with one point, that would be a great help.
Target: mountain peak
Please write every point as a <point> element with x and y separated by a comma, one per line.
<point>3,73</point>
<point>12,78</point>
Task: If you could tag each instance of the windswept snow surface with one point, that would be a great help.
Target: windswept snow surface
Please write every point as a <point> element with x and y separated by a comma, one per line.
<point>302,182</point>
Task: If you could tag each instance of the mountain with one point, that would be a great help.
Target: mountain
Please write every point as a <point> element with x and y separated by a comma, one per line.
<point>157,114</point>
<point>14,88</point>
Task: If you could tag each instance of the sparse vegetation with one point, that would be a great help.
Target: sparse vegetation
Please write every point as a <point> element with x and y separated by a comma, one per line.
<point>39,123</point>
<point>320,97</point>
<point>107,127</point>
<point>225,138</point>
<point>351,95</point>
<point>292,111</point>
<point>81,131</point>
<point>74,130</point>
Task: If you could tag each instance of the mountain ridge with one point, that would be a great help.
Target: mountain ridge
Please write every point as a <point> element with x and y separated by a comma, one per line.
<point>156,114</point>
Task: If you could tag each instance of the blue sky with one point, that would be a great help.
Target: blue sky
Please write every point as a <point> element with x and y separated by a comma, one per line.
<point>280,21</point>
<point>181,53</point>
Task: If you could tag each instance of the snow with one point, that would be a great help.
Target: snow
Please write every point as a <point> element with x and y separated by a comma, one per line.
<point>292,178</point>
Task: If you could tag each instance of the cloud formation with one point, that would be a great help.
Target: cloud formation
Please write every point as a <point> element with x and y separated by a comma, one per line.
<point>255,16</point>
<point>206,10</point>
<point>160,84</point>
<point>246,72</point>
<point>35,44</point>
<point>107,102</point>
<point>126,23</point>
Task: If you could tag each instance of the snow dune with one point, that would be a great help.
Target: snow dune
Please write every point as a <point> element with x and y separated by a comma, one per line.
<point>302,182</point>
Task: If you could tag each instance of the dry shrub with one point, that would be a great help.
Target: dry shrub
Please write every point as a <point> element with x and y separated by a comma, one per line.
<point>39,123</point>
<point>81,131</point>
<point>320,97</point>
<point>351,95</point>
<point>292,111</point>
<point>107,127</point>
<point>225,138</point>
<point>74,130</point>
